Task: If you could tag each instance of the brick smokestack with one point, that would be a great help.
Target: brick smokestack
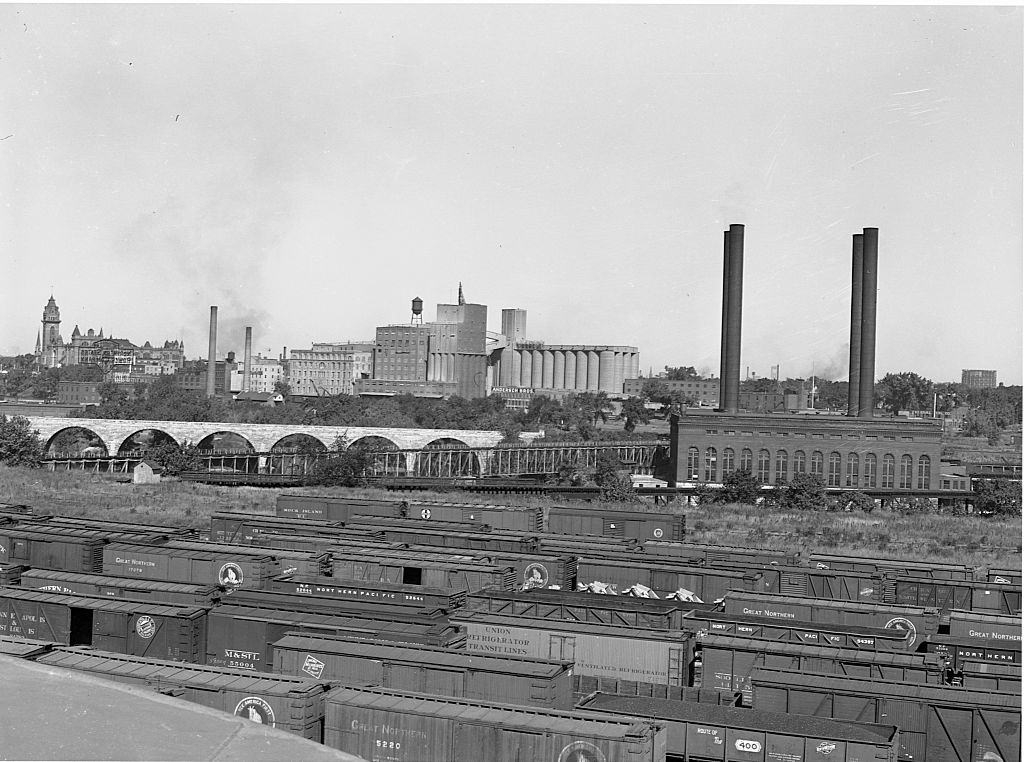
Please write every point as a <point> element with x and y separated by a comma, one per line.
<point>722,373</point>
<point>734,320</point>
<point>247,376</point>
<point>869,299</point>
<point>856,301</point>
<point>211,366</point>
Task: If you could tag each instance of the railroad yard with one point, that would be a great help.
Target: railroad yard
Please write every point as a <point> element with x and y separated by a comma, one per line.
<point>420,627</point>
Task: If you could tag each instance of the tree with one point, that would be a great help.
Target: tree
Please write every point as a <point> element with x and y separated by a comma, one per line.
<point>634,412</point>
<point>683,373</point>
<point>175,459</point>
<point>739,486</point>
<point>904,391</point>
<point>283,388</point>
<point>804,492</point>
<point>19,444</point>
<point>978,423</point>
<point>346,466</point>
<point>655,390</point>
<point>860,501</point>
<point>614,480</point>
<point>997,497</point>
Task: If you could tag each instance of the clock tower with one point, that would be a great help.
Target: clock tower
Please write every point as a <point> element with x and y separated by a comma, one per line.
<point>51,349</point>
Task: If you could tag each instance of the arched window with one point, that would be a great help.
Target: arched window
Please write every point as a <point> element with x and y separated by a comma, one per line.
<point>764,463</point>
<point>852,469</point>
<point>924,472</point>
<point>693,464</point>
<point>870,470</point>
<point>835,465</point>
<point>747,460</point>
<point>817,463</point>
<point>781,467</point>
<point>888,472</point>
<point>728,461</point>
<point>799,462</point>
<point>710,464</point>
<point>906,472</point>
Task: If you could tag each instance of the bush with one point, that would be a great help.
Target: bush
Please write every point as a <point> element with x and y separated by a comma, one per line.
<point>344,467</point>
<point>19,444</point>
<point>804,492</point>
<point>739,486</point>
<point>997,497</point>
<point>175,459</point>
<point>858,501</point>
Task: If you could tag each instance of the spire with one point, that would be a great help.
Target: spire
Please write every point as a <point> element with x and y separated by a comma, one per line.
<point>462,299</point>
<point>39,342</point>
<point>76,332</point>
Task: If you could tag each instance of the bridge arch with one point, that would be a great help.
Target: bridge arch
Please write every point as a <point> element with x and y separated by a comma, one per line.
<point>385,458</point>
<point>76,440</point>
<point>301,443</point>
<point>225,441</point>
<point>447,457</point>
<point>143,439</point>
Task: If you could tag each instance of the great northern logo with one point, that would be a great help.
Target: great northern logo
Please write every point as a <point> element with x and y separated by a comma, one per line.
<point>145,626</point>
<point>230,574</point>
<point>581,751</point>
<point>255,709</point>
<point>903,624</point>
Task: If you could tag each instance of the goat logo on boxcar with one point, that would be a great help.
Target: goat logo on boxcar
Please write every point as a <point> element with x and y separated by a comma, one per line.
<point>659,532</point>
<point>535,575</point>
<point>255,709</point>
<point>903,624</point>
<point>145,626</point>
<point>230,574</point>
<point>581,751</point>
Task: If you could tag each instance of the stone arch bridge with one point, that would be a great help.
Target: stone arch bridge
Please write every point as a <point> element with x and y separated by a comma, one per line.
<point>260,436</point>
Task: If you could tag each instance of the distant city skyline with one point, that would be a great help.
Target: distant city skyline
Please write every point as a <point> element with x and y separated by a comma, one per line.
<point>311,169</point>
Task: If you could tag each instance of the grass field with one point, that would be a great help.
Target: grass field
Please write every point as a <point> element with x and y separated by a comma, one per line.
<point>939,538</point>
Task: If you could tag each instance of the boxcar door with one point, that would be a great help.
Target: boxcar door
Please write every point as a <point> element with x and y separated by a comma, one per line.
<point>109,631</point>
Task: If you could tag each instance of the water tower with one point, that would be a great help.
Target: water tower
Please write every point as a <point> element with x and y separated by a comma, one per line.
<point>417,311</point>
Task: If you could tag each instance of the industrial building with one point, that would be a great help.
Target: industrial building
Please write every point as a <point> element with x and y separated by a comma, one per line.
<point>324,369</point>
<point>978,379</point>
<point>855,451</point>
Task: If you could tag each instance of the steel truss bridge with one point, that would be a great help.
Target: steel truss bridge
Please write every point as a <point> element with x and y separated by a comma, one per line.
<point>432,462</point>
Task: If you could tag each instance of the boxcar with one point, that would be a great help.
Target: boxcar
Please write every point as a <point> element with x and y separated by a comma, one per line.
<point>958,595</point>
<point>517,518</point>
<point>240,527</point>
<point>796,631</point>
<point>279,701</point>
<point>619,610</point>
<point>937,723</point>
<point>426,669</point>
<point>465,573</point>
<point>665,577</point>
<point>986,626</point>
<point>291,561</point>
<point>251,568</point>
<point>162,630</point>
<point>333,507</point>
<point>697,732</point>
<point>243,636</point>
<point>123,528</point>
<point>624,654</point>
<point>392,726</point>
<point>121,587</point>
<point>450,535</point>
<point>76,552</point>
<point>11,575</point>
<point>317,542</point>
<point>1005,576</point>
<point>956,649</point>
<point>897,565</point>
<point>369,594</point>
<point>332,605</point>
<point>726,663</point>
<point>579,520</point>
<point>986,675</point>
<point>920,622</point>
<point>714,554</point>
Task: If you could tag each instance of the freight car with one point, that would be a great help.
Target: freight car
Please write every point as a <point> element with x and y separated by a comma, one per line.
<point>336,605</point>
<point>122,528</point>
<point>986,626</point>
<point>957,649</point>
<point>515,518</point>
<point>163,630</point>
<point>712,555</point>
<point>618,610</point>
<point>369,594</point>
<point>333,508</point>
<point>642,526</point>
<point>665,577</point>
<point>75,552</point>
<point>920,622</point>
<point>896,565</point>
<point>438,671</point>
<point>796,631</point>
<point>120,587</point>
<point>702,732</point>
<point>239,527</point>
<point>937,723</point>
<point>291,561</point>
<point>726,663</point>
<point>393,726</point>
<point>243,636</point>
<point>958,595</point>
<point>619,654</point>
<point>410,568</point>
<point>278,701</point>
<point>982,675</point>
<point>313,543</point>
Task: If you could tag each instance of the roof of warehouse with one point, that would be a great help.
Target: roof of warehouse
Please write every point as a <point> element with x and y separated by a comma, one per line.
<point>749,719</point>
<point>63,715</point>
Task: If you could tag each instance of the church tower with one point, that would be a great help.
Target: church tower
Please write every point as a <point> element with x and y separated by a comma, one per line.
<point>52,348</point>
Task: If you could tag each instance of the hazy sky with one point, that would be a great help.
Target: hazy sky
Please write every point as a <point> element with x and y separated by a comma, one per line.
<point>310,169</point>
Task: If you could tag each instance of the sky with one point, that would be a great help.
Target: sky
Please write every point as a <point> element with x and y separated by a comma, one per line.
<point>310,169</point>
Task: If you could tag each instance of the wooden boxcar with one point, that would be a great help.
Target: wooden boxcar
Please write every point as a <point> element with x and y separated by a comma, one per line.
<point>122,528</point>
<point>698,732</point>
<point>426,669</point>
<point>919,621</point>
<point>713,554</point>
<point>161,630</point>
<point>240,527</point>
<point>625,654</point>
<point>898,565</point>
<point>290,561</point>
<point>121,587</point>
<point>665,577</point>
<point>392,726</point>
<point>369,595</point>
<point>336,605</point>
<point>334,508</point>
<point>937,723</point>
<point>71,551</point>
<point>638,525</point>
<point>196,566</point>
<point>516,518</point>
<point>726,663</point>
<point>956,649</point>
<point>411,568</point>
<point>986,675</point>
<point>986,626</point>
<point>957,595</point>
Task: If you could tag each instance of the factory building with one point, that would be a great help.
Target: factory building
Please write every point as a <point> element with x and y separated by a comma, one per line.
<point>854,451</point>
<point>978,379</point>
<point>326,368</point>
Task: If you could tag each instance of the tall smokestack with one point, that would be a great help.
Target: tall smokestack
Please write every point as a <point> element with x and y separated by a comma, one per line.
<point>734,319</point>
<point>856,300</point>
<point>211,367</point>
<point>247,376</point>
<point>723,371</point>
<point>869,298</point>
